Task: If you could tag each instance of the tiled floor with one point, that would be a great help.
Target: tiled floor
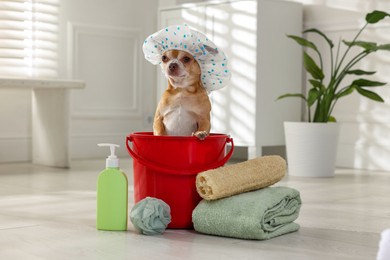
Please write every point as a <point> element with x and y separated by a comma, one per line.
<point>49,213</point>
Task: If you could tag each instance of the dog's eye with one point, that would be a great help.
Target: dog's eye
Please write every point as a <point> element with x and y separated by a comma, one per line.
<point>164,58</point>
<point>186,59</point>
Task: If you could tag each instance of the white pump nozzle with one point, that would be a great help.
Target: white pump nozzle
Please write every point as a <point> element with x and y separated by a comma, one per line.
<point>112,160</point>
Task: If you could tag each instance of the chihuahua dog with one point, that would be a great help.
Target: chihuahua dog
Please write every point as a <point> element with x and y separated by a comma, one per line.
<point>184,108</point>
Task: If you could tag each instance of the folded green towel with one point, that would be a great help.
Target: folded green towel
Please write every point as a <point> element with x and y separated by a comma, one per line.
<point>260,214</point>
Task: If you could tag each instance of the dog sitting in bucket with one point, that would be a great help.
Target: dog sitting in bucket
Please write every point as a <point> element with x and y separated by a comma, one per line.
<point>194,67</point>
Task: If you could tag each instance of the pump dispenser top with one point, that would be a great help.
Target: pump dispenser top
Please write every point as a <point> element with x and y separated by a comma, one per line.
<point>112,160</point>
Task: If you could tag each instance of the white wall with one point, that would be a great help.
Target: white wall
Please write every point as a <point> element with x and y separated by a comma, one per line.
<point>365,124</point>
<point>101,43</point>
<point>15,126</point>
<point>104,47</point>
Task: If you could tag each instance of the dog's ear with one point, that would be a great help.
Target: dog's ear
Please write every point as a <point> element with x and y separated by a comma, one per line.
<point>211,50</point>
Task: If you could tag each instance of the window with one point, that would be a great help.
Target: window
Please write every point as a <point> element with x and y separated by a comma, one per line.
<point>29,38</point>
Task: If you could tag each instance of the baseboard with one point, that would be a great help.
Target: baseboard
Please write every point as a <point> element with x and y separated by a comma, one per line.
<point>274,150</point>
<point>363,156</point>
<point>18,149</point>
<point>241,152</point>
<point>85,147</point>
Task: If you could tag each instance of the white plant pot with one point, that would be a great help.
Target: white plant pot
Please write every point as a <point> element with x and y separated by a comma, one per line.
<point>311,148</point>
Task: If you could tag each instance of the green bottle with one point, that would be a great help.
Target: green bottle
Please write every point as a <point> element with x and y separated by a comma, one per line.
<point>111,195</point>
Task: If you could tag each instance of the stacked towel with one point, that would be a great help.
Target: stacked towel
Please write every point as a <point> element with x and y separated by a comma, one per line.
<point>241,177</point>
<point>260,214</point>
<point>238,201</point>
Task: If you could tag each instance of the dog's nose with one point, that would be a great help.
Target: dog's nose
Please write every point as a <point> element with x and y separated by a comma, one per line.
<point>173,66</point>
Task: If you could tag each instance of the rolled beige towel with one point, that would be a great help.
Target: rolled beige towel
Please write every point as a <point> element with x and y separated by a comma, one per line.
<point>237,178</point>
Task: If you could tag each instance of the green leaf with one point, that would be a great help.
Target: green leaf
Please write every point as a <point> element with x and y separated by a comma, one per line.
<point>369,46</point>
<point>332,119</point>
<point>328,98</point>
<point>312,67</point>
<point>292,95</point>
<point>345,92</point>
<point>312,96</point>
<point>367,83</point>
<point>376,16</point>
<point>360,72</point>
<point>385,47</point>
<point>317,84</point>
<point>322,34</point>
<point>303,42</point>
<point>369,94</point>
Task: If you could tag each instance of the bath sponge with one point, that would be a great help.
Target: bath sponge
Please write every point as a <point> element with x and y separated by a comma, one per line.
<point>150,216</point>
<point>246,176</point>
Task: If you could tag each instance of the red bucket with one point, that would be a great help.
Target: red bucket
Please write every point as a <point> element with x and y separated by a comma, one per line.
<point>165,167</point>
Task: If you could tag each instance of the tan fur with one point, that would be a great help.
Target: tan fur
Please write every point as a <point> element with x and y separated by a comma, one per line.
<point>184,108</point>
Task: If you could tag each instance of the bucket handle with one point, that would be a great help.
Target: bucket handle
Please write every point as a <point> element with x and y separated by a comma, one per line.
<point>160,168</point>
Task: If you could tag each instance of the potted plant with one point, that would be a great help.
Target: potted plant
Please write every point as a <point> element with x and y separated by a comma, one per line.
<point>322,97</point>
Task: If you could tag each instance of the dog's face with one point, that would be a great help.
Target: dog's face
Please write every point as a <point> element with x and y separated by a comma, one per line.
<point>180,67</point>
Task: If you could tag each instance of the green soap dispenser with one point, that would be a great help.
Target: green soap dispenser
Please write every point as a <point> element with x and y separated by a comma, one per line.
<point>111,195</point>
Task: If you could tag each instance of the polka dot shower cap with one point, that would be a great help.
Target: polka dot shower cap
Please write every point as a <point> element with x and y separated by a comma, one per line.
<point>213,63</point>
